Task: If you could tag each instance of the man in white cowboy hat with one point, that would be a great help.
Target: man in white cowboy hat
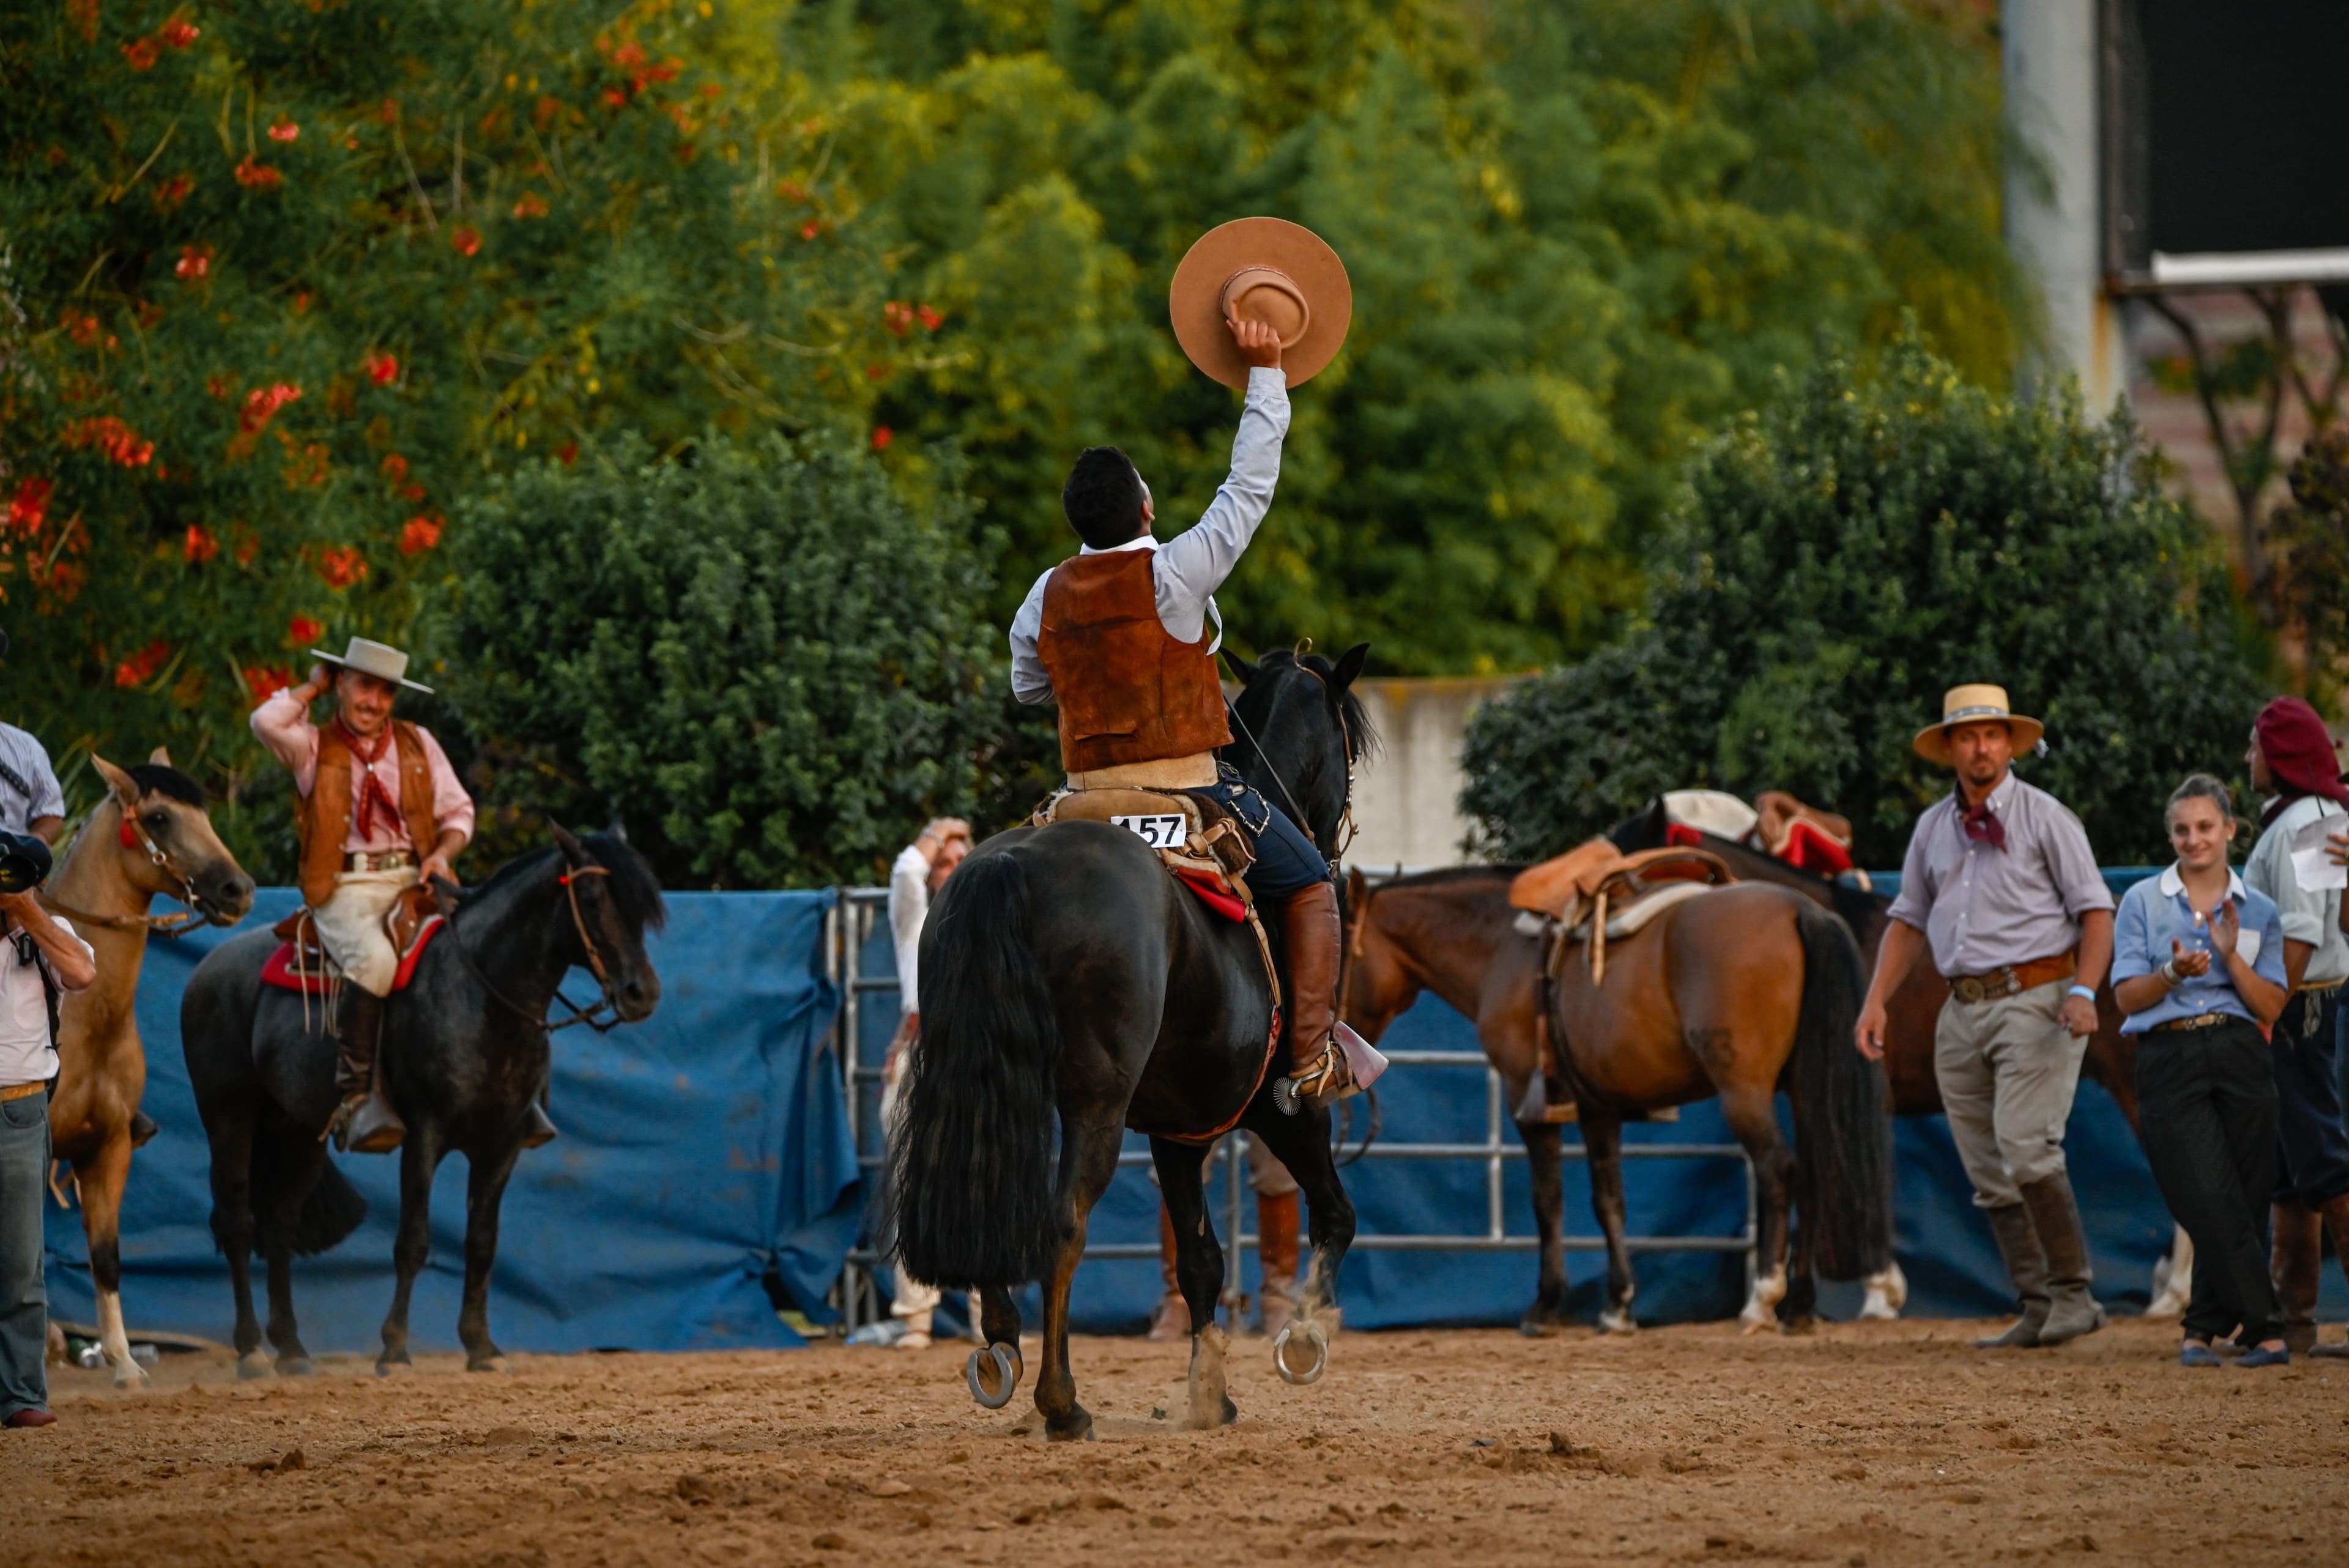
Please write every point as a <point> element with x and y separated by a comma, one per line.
<point>380,809</point>
<point>2000,883</point>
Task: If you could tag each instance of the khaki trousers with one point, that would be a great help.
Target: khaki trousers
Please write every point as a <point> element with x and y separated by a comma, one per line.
<point>350,926</point>
<point>2007,1070</point>
<point>914,1301</point>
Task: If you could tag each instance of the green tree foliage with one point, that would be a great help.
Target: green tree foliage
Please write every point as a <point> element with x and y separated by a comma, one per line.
<point>1841,558</point>
<point>1578,237</point>
<point>766,697</point>
<point>2313,533</point>
<point>283,280</point>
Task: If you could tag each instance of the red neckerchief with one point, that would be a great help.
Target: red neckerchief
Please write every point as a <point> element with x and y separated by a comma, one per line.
<point>1980,824</point>
<point>374,799</point>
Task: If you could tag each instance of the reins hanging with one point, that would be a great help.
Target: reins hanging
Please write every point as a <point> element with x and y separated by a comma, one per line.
<point>594,1016</point>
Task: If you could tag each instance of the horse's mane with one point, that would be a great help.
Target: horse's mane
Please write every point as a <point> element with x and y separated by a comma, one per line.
<point>632,884</point>
<point>1361,735</point>
<point>155,778</point>
<point>1443,875</point>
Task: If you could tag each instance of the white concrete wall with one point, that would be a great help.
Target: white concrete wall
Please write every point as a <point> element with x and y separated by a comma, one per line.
<point>2054,223</point>
<point>1407,797</point>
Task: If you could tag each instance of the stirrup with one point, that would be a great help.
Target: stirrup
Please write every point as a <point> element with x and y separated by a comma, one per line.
<point>1317,1084</point>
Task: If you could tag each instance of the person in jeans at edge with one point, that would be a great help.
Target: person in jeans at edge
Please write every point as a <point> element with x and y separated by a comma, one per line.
<point>2000,883</point>
<point>2199,967</point>
<point>1119,636</point>
<point>39,956</point>
<point>2292,760</point>
<point>921,869</point>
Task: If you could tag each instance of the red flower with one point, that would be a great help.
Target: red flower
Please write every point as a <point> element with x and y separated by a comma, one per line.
<point>260,176</point>
<point>421,534</point>
<point>195,261</point>
<point>220,385</point>
<point>532,205</point>
<point>383,369</point>
<point>136,670</point>
<point>143,53</point>
<point>876,372</point>
<point>628,53</point>
<point>83,14</point>
<point>810,229</point>
<point>284,130</point>
<point>616,97</point>
<point>82,329</point>
<point>263,681</point>
<point>882,436</point>
<point>302,302</point>
<point>465,241</point>
<point>172,192</point>
<point>897,317</point>
<point>201,545</point>
<point>112,436</point>
<point>790,191</point>
<point>29,508</point>
<point>179,32</point>
<point>395,467</point>
<point>390,112</point>
<point>411,492</point>
<point>262,403</point>
<point>302,628</point>
<point>567,453</point>
<point>931,319</point>
<point>341,569</point>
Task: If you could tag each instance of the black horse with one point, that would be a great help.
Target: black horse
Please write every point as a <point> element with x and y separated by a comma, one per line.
<point>466,1053</point>
<point>1311,734</point>
<point>1066,975</point>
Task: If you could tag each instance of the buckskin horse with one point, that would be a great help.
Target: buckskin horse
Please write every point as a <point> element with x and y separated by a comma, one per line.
<point>1069,979</point>
<point>465,1052</point>
<point>1454,932</point>
<point>151,835</point>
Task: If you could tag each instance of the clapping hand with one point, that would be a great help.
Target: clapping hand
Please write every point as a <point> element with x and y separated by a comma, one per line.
<point>2187,962</point>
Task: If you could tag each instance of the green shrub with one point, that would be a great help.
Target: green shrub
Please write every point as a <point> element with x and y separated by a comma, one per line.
<point>1839,559</point>
<point>762,663</point>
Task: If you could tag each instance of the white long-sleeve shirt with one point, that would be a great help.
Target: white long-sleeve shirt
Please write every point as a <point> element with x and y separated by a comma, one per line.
<point>1186,570</point>
<point>909,905</point>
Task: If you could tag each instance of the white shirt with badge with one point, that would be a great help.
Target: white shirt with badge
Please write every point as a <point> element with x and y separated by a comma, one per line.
<point>2310,911</point>
<point>27,1054</point>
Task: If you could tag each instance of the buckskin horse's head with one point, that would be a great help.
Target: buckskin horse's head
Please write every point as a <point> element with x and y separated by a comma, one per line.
<point>616,899</point>
<point>164,842</point>
<point>1299,732</point>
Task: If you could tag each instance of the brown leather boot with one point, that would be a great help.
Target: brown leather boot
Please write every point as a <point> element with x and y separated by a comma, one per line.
<point>2294,1261</point>
<point>1275,1230</point>
<point>2072,1311</point>
<point>1173,1319</point>
<point>365,1122</point>
<point>1310,932</point>
<point>2026,1265</point>
<point>2335,1214</point>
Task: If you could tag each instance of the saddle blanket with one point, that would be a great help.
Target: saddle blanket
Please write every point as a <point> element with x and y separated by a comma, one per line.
<point>313,975</point>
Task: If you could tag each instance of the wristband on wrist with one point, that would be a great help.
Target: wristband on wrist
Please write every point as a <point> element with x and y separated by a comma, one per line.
<point>2169,975</point>
<point>2088,992</point>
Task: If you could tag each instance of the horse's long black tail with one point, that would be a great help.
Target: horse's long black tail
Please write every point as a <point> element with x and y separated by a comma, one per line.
<point>1843,1155</point>
<point>973,1184</point>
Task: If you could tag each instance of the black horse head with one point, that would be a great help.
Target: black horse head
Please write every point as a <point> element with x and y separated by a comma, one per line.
<point>1648,828</point>
<point>616,900</point>
<point>1312,727</point>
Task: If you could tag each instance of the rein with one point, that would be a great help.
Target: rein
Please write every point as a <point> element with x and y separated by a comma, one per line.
<point>591,1016</point>
<point>1345,834</point>
<point>135,835</point>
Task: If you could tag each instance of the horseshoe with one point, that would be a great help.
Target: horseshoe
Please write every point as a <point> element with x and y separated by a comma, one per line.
<point>1314,1336</point>
<point>1006,1365</point>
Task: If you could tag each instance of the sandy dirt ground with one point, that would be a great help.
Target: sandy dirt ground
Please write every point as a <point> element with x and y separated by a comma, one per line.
<point>1875,1444</point>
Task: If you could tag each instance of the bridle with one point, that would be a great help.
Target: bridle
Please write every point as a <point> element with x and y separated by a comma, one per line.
<point>604,1016</point>
<point>134,836</point>
<point>1345,833</point>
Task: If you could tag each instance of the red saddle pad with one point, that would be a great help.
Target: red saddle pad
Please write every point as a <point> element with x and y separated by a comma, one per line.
<point>280,972</point>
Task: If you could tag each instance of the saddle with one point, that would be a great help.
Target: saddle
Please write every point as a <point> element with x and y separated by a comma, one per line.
<point>300,962</point>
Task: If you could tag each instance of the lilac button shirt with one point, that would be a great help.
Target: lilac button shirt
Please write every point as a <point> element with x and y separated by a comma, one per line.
<point>1981,908</point>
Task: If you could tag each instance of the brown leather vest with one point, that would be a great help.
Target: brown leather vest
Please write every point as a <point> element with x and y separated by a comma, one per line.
<point>324,819</point>
<point>1129,690</point>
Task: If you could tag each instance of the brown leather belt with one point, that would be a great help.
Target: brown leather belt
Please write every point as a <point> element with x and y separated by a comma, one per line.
<point>21,1091</point>
<point>2013,979</point>
<point>387,860</point>
<point>2200,1021</point>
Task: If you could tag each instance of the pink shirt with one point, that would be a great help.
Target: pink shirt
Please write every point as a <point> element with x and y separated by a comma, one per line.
<point>284,725</point>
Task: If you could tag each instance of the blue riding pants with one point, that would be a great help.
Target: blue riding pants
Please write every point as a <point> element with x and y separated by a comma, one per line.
<point>1286,861</point>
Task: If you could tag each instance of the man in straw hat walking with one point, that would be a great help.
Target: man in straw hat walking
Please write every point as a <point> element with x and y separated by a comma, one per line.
<point>2000,884</point>
<point>380,810</point>
<point>1124,635</point>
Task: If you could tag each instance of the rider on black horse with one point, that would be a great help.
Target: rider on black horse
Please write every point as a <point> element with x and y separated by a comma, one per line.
<point>1119,634</point>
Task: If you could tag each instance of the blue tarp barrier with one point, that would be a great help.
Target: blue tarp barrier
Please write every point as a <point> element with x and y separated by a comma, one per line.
<point>702,1150</point>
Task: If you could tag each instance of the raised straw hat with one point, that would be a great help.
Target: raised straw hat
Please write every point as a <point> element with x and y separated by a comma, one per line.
<point>1261,269</point>
<point>379,659</point>
<point>1976,705</point>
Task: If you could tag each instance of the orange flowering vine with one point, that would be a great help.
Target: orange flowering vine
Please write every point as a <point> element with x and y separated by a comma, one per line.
<point>179,32</point>
<point>142,53</point>
<point>383,369</point>
<point>465,240</point>
<point>263,681</point>
<point>302,628</point>
<point>341,569</point>
<point>202,545</point>
<point>29,507</point>
<point>110,436</point>
<point>421,534</point>
<point>140,667</point>
<point>195,261</point>
<point>260,176</point>
<point>284,130</point>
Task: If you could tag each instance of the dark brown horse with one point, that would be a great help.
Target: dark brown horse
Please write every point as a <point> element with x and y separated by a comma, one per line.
<point>1730,995</point>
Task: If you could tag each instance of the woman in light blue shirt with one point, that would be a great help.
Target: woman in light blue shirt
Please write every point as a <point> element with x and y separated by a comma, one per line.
<point>2198,965</point>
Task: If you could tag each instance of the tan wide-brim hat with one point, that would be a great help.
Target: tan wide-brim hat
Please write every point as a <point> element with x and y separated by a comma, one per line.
<point>1976,705</point>
<point>379,659</point>
<point>1261,269</point>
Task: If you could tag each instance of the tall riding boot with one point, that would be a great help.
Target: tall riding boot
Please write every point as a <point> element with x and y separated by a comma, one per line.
<point>2335,1212</point>
<point>1310,932</point>
<point>2026,1265</point>
<point>2294,1259</point>
<point>365,1123</point>
<point>1275,1249</point>
<point>2072,1310</point>
<point>1173,1318</point>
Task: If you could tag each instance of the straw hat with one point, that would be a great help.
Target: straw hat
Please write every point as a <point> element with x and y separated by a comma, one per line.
<point>379,659</point>
<point>1261,269</point>
<point>1975,705</point>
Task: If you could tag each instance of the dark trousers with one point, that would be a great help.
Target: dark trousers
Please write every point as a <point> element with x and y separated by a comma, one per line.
<point>24,1296</point>
<point>1286,860</point>
<point>2311,1144</point>
<point>2207,1108</point>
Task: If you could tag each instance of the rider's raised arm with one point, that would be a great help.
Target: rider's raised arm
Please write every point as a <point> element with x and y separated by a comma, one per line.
<point>282,724</point>
<point>1191,567</point>
<point>1029,683</point>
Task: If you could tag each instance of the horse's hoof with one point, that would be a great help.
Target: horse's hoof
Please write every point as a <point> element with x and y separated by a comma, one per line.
<point>393,1366</point>
<point>493,1361</point>
<point>1761,1323</point>
<point>1313,1340</point>
<point>993,1374</point>
<point>1080,1429</point>
<point>1612,1322</point>
<point>294,1366</point>
<point>1874,1311</point>
<point>1805,1325</point>
<point>252,1367</point>
<point>130,1375</point>
<point>1231,1411</point>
